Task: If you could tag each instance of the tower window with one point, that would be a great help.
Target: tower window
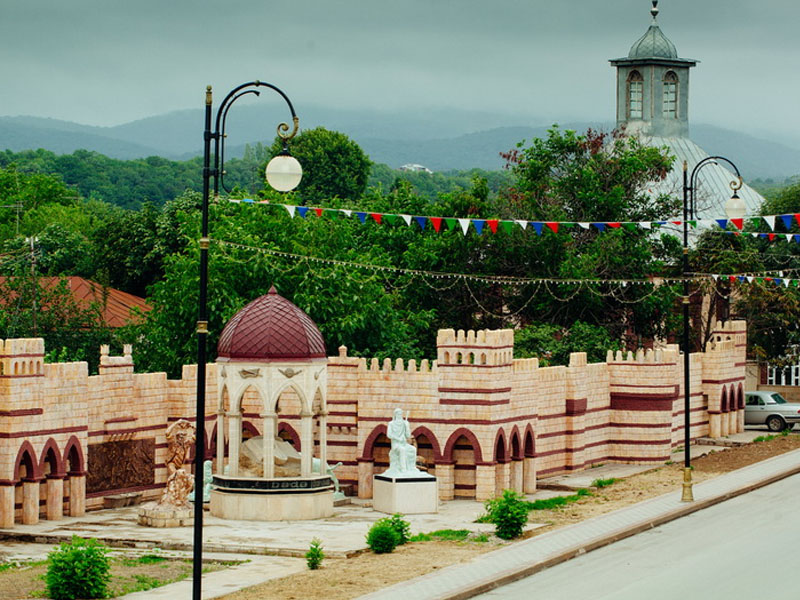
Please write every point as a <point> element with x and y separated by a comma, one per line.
<point>635,95</point>
<point>670,95</point>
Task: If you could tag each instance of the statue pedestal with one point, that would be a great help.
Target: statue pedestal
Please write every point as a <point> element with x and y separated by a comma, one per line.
<point>413,495</point>
<point>155,515</point>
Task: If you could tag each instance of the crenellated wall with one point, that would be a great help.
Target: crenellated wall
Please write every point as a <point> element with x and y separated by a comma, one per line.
<point>483,421</point>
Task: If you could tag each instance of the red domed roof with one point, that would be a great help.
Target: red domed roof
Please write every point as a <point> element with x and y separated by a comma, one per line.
<point>271,328</point>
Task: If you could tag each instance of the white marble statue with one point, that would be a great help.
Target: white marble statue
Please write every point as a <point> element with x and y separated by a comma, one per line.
<point>403,454</point>
<point>207,478</point>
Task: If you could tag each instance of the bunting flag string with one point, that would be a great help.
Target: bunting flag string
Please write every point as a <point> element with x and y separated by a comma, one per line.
<point>483,226</point>
<point>777,279</point>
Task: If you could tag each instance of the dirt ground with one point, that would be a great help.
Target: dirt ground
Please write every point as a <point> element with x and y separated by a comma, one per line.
<point>28,582</point>
<point>342,579</point>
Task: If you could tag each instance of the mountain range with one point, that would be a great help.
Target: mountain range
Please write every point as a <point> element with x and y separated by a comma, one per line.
<point>440,139</point>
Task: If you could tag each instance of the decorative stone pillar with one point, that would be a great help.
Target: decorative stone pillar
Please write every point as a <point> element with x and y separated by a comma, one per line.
<point>307,443</point>
<point>234,441</point>
<point>77,494</point>
<point>445,473</point>
<point>6,505</point>
<point>723,424</point>
<point>529,475</point>
<point>30,502</point>
<point>323,442</point>
<point>501,476</point>
<point>55,497</point>
<point>714,426</point>
<point>517,476</point>
<point>366,468</point>
<point>740,421</point>
<point>485,482</point>
<point>221,442</point>
<point>733,421</point>
<point>268,440</point>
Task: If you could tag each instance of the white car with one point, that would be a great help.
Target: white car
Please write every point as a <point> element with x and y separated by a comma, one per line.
<point>770,409</point>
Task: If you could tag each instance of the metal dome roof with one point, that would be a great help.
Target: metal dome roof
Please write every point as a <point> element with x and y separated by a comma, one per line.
<point>653,44</point>
<point>271,328</point>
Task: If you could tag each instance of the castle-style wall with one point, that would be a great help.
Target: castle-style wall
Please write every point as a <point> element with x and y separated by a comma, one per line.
<point>483,421</point>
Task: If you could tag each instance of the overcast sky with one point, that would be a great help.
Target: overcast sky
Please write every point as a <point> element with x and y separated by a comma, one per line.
<point>105,62</point>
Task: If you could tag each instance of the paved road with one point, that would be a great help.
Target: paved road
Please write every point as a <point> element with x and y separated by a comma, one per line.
<point>738,550</point>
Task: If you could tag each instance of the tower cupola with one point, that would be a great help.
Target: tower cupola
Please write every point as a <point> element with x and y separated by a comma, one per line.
<point>653,85</point>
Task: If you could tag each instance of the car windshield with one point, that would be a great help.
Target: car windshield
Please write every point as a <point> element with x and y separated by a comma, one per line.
<point>776,399</point>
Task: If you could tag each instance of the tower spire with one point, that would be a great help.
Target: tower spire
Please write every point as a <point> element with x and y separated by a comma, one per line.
<point>654,10</point>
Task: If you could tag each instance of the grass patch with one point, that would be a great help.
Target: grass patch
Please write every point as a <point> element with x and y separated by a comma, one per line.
<point>448,535</point>
<point>601,483</point>
<point>545,504</point>
<point>769,438</point>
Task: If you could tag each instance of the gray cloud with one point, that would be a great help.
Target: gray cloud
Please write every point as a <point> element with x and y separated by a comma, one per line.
<point>109,62</point>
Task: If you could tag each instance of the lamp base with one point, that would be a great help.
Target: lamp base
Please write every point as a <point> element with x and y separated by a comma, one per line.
<point>687,495</point>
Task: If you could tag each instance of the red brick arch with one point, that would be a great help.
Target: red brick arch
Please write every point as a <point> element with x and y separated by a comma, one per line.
<point>422,430</point>
<point>529,452</point>
<point>723,403</point>
<point>51,454</point>
<point>501,444</point>
<point>451,442</point>
<point>515,453</point>
<point>74,445</point>
<point>27,455</point>
<point>370,442</point>
<point>291,432</point>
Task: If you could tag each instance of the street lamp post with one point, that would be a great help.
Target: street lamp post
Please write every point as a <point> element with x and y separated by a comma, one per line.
<point>283,173</point>
<point>735,208</point>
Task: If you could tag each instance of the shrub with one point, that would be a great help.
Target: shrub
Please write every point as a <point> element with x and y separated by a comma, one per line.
<point>509,513</point>
<point>601,483</point>
<point>382,537</point>
<point>401,526</point>
<point>315,554</point>
<point>78,569</point>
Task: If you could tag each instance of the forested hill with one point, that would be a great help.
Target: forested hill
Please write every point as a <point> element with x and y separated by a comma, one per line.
<point>440,141</point>
<point>132,183</point>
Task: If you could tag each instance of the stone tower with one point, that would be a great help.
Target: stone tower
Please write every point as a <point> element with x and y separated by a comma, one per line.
<point>653,86</point>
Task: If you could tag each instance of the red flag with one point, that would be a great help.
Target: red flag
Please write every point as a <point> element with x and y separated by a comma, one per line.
<point>676,222</point>
<point>377,217</point>
<point>615,225</point>
<point>553,226</point>
<point>771,237</point>
<point>738,223</point>
<point>436,222</point>
<point>797,218</point>
<point>492,223</point>
<point>732,278</point>
<point>318,211</point>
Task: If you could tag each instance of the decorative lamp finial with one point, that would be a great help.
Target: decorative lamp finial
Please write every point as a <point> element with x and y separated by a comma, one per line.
<point>654,10</point>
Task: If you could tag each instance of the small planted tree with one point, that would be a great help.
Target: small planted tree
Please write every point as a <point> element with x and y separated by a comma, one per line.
<point>509,513</point>
<point>315,554</point>
<point>382,538</point>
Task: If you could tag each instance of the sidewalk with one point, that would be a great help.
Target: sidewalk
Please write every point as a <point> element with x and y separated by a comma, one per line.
<point>524,558</point>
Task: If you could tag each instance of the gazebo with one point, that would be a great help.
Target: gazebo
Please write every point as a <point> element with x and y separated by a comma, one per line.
<point>271,348</point>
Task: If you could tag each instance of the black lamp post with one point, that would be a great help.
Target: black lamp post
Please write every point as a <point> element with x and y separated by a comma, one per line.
<point>735,208</point>
<point>283,173</point>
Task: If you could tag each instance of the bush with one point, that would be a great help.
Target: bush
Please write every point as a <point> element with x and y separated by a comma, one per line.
<point>315,554</point>
<point>382,537</point>
<point>509,513</point>
<point>401,527</point>
<point>78,569</point>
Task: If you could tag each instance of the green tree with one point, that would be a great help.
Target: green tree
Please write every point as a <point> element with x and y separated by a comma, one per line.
<point>334,166</point>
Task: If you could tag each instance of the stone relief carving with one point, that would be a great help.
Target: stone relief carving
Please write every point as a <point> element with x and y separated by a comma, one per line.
<point>290,372</point>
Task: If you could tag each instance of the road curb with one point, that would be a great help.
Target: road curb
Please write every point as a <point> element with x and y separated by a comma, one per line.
<point>502,578</point>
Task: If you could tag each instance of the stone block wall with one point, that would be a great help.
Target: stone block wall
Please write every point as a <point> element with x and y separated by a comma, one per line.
<point>483,421</point>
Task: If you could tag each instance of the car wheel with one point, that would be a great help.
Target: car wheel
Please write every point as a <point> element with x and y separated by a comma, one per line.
<point>775,423</point>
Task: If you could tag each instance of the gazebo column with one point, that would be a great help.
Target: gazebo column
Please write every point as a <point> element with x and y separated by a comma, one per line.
<point>323,442</point>
<point>268,439</point>
<point>307,443</point>
<point>221,443</point>
<point>55,497</point>
<point>234,441</point>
